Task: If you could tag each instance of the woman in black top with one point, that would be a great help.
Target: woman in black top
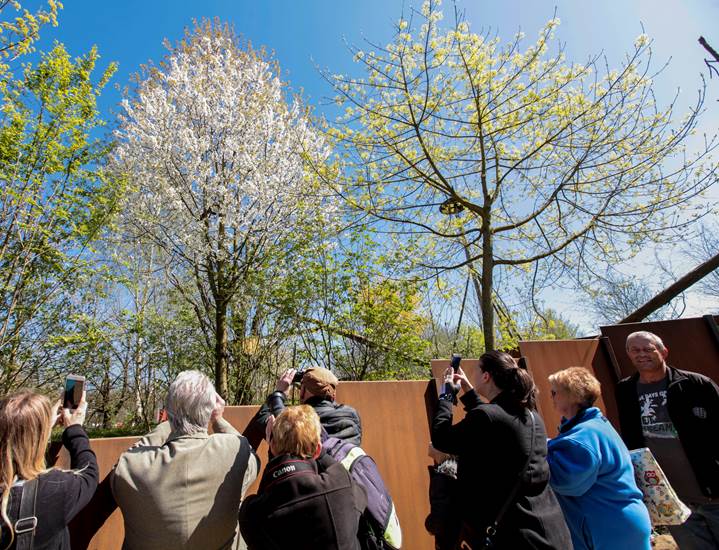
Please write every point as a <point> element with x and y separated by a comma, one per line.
<point>26,420</point>
<point>497,444</point>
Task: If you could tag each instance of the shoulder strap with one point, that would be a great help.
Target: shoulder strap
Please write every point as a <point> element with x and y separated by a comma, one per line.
<point>27,520</point>
<point>492,529</point>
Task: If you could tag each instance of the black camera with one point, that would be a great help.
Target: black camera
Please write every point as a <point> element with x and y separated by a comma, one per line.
<point>297,378</point>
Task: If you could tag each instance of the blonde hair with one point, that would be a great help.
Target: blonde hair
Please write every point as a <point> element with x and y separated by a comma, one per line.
<point>25,426</point>
<point>296,431</point>
<point>581,385</point>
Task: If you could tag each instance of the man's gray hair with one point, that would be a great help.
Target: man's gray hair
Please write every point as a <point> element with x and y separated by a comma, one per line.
<point>190,402</point>
<point>653,338</point>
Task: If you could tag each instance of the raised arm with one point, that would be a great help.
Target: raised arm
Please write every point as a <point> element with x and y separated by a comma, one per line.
<point>81,483</point>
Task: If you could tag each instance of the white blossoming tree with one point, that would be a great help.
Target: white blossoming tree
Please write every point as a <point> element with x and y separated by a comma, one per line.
<point>542,168</point>
<point>216,157</point>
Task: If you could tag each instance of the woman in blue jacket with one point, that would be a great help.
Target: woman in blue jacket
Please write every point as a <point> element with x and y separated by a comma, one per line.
<point>591,470</point>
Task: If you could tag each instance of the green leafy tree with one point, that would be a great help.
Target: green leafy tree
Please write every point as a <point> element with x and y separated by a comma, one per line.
<point>356,318</point>
<point>548,324</point>
<point>386,313</point>
<point>19,33</point>
<point>536,164</point>
<point>53,199</point>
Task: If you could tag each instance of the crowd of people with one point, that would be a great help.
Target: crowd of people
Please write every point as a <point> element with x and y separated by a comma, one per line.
<point>183,486</point>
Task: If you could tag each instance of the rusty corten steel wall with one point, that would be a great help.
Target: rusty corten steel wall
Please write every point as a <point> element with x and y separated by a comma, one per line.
<point>693,344</point>
<point>395,434</point>
<point>547,357</point>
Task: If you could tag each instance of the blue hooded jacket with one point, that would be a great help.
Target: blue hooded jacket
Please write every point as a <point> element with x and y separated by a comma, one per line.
<point>593,478</point>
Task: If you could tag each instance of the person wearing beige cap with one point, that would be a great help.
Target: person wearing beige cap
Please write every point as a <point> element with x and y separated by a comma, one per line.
<point>318,388</point>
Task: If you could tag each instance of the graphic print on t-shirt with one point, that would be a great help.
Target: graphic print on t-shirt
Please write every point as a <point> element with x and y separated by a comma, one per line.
<point>655,415</point>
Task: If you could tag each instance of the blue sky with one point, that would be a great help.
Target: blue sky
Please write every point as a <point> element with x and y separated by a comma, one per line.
<point>305,34</point>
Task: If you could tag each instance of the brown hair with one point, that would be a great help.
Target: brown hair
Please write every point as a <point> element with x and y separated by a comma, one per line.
<point>25,426</point>
<point>513,380</point>
<point>296,431</point>
<point>580,384</point>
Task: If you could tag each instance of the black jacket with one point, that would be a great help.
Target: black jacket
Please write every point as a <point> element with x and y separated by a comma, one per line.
<point>340,421</point>
<point>303,505</point>
<point>693,403</point>
<point>60,495</point>
<point>492,445</point>
<point>442,522</point>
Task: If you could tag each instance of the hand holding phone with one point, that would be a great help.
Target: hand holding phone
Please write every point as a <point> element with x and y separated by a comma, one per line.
<point>75,416</point>
<point>74,405</point>
<point>74,388</point>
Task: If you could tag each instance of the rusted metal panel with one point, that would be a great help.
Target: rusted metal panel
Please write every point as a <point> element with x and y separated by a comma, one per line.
<point>99,525</point>
<point>547,357</point>
<point>691,342</point>
<point>395,434</point>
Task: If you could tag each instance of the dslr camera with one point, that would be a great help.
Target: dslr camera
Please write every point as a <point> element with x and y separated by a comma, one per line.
<point>297,378</point>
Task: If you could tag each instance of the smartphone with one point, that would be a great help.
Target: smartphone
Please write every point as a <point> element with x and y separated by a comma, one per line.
<point>74,386</point>
<point>455,361</point>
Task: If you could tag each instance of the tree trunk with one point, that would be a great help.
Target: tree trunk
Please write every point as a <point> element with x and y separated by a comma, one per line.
<point>474,277</point>
<point>221,348</point>
<point>487,282</point>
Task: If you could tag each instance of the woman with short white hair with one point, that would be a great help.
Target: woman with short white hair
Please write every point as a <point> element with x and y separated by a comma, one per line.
<point>591,470</point>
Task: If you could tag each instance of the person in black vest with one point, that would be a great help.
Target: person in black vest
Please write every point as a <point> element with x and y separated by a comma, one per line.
<point>318,388</point>
<point>306,499</point>
<point>676,414</point>
<point>501,449</point>
<point>26,420</point>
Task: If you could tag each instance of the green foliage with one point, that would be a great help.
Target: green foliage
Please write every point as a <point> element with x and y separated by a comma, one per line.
<point>386,314</point>
<point>19,33</point>
<point>550,325</point>
<point>358,320</point>
<point>54,199</point>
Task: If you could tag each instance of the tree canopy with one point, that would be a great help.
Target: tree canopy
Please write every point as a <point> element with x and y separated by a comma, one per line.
<point>509,158</point>
<point>216,156</point>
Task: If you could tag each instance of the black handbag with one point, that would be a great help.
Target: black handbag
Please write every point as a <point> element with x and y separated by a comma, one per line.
<point>469,538</point>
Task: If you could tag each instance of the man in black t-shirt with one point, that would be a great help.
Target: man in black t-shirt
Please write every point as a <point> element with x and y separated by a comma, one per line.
<point>676,414</point>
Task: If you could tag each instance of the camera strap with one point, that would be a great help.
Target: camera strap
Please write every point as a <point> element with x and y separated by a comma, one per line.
<point>27,520</point>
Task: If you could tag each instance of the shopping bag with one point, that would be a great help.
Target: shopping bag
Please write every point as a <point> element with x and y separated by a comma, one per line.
<point>661,500</point>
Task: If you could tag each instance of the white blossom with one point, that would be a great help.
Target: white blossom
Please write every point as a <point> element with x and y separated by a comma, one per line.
<point>217,156</point>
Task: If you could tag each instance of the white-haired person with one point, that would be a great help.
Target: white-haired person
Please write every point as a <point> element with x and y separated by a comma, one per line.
<point>39,502</point>
<point>676,414</point>
<point>591,470</point>
<point>181,487</point>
